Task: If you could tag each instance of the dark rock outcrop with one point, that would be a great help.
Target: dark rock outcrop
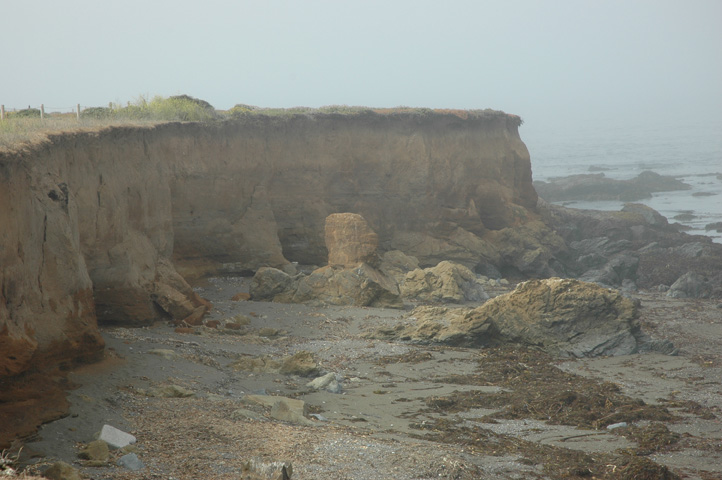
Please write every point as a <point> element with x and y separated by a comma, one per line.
<point>599,187</point>
<point>690,285</point>
<point>632,248</point>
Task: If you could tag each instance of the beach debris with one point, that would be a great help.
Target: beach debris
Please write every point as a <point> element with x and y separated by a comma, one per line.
<point>115,438</point>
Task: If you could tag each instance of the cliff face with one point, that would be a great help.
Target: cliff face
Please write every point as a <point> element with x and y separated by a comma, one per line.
<point>426,185</point>
<point>91,221</point>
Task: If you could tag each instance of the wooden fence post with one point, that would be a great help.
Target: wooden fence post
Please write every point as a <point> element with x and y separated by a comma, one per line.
<point>2,112</point>
<point>42,111</point>
<point>77,111</point>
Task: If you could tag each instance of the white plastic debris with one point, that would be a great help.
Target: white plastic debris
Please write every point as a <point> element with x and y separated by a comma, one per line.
<point>115,438</point>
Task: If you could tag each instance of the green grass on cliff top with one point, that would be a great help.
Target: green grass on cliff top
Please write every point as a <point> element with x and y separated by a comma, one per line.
<point>26,127</point>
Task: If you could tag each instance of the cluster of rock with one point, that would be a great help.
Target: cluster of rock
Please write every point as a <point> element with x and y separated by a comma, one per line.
<point>564,317</point>
<point>357,275</point>
<point>597,186</point>
<point>634,248</point>
<point>97,453</point>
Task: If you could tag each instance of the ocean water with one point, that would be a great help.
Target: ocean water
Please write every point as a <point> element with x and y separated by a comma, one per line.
<point>691,152</point>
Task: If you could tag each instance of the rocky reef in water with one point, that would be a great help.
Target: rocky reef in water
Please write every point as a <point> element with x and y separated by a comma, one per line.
<point>597,186</point>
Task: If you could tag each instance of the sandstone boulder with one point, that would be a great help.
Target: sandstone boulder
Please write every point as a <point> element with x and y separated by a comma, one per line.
<point>447,282</point>
<point>272,285</point>
<point>347,280</point>
<point>432,324</point>
<point>359,286</point>
<point>350,240</point>
<point>564,317</point>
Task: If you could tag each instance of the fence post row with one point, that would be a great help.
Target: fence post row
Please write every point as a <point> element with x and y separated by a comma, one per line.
<point>42,111</point>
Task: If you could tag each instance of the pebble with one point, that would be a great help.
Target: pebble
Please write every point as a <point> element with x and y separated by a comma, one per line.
<point>131,462</point>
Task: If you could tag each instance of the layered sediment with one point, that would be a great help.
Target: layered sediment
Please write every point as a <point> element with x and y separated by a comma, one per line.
<point>103,226</point>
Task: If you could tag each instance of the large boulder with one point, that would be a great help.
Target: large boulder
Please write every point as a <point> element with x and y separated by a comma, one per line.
<point>347,280</point>
<point>529,249</point>
<point>564,317</point>
<point>620,270</point>
<point>359,286</point>
<point>272,285</point>
<point>349,240</point>
<point>447,282</point>
<point>690,285</point>
<point>396,264</point>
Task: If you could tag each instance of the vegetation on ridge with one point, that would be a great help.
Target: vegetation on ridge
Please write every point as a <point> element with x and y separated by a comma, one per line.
<point>26,126</point>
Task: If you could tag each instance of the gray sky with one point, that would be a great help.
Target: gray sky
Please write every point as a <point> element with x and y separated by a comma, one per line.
<point>552,62</point>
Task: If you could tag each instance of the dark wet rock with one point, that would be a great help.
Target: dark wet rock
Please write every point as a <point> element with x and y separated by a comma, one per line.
<point>716,226</point>
<point>599,187</point>
<point>689,250</point>
<point>650,215</point>
<point>690,285</point>
<point>530,249</point>
<point>685,217</point>
<point>615,272</point>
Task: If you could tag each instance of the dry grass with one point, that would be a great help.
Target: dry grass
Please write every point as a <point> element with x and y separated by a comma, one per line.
<point>16,133</point>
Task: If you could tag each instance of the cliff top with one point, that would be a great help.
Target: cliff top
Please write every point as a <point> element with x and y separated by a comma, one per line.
<point>22,129</point>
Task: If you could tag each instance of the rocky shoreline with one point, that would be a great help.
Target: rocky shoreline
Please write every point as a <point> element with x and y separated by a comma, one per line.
<point>414,309</point>
<point>201,406</point>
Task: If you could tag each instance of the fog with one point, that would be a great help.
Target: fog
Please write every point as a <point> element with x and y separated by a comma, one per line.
<point>557,64</point>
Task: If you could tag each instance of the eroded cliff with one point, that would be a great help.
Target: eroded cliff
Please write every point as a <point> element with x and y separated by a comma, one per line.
<point>94,224</point>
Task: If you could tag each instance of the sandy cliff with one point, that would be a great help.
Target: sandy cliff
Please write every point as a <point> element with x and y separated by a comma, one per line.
<point>95,224</point>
